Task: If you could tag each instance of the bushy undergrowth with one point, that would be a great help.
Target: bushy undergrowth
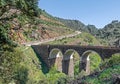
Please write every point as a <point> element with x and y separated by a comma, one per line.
<point>114,60</point>
<point>107,76</point>
<point>95,61</point>
<point>110,69</point>
<point>10,67</point>
<point>21,66</point>
<point>82,39</point>
<point>56,77</point>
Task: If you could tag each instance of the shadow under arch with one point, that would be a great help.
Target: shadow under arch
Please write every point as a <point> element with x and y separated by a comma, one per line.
<point>55,59</point>
<point>89,61</point>
<point>69,61</point>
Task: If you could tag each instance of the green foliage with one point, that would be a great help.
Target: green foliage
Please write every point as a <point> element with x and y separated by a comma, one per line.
<point>105,77</point>
<point>24,5</point>
<point>10,65</point>
<point>4,38</point>
<point>21,75</point>
<point>76,59</point>
<point>82,39</point>
<point>95,62</point>
<point>107,74</point>
<point>92,29</point>
<point>115,59</point>
<point>73,24</point>
<point>110,69</point>
<point>49,23</point>
<point>32,63</point>
<point>5,22</point>
<point>54,76</point>
<point>81,74</point>
<point>29,7</point>
<point>111,32</point>
<point>92,81</point>
<point>90,39</point>
<point>76,68</point>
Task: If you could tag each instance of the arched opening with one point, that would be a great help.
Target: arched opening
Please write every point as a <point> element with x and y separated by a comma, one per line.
<point>71,60</point>
<point>90,61</point>
<point>55,59</point>
<point>76,58</point>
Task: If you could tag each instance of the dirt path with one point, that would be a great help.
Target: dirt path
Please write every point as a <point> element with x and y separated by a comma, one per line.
<point>51,39</point>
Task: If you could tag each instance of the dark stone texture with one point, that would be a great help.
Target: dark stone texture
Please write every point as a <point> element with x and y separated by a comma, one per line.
<point>44,50</point>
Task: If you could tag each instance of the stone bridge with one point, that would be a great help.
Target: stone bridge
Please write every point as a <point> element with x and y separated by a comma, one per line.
<point>61,56</point>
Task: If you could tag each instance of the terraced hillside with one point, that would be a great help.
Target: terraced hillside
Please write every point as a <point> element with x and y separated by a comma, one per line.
<point>23,23</point>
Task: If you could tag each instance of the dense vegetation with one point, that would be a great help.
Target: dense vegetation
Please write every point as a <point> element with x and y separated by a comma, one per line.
<point>109,71</point>
<point>110,33</point>
<point>82,39</point>
<point>100,70</point>
<point>73,24</point>
<point>22,21</point>
<point>18,64</point>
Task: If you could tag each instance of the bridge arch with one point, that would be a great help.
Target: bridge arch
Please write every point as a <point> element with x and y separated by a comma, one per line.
<point>55,59</point>
<point>90,60</point>
<point>69,61</point>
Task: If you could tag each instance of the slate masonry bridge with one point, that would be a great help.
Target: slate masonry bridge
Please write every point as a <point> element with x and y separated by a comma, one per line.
<point>62,56</point>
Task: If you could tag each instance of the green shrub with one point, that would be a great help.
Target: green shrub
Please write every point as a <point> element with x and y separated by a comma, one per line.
<point>54,76</point>
<point>114,60</point>
<point>76,68</point>
<point>105,74</point>
<point>92,81</point>
<point>10,63</point>
<point>95,62</point>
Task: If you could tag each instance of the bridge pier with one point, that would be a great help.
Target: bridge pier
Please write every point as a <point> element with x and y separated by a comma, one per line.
<point>56,61</point>
<point>88,66</point>
<point>85,64</point>
<point>71,68</point>
<point>68,66</point>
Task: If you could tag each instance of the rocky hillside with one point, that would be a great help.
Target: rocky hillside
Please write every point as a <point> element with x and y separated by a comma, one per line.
<point>73,24</point>
<point>78,25</point>
<point>23,21</point>
<point>110,33</point>
<point>21,25</point>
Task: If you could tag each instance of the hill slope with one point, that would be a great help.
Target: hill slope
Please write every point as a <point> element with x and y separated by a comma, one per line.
<point>22,22</point>
<point>110,33</point>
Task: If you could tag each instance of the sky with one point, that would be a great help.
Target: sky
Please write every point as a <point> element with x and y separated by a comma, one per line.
<point>95,12</point>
